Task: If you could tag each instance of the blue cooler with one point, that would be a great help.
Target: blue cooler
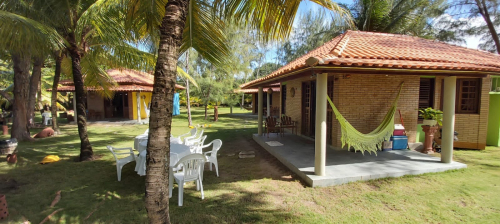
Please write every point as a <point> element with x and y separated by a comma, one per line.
<point>399,142</point>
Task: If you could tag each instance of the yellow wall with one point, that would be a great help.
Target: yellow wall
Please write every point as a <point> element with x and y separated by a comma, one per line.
<point>134,103</point>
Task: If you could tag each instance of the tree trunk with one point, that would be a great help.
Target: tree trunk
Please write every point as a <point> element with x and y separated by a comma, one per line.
<point>158,150</point>
<point>206,109</point>
<point>33,88</point>
<point>39,93</point>
<point>53,98</point>
<point>188,104</point>
<point>20,128</point>
<point>188,100</point>
<point>86,152</point>
<point>242,100</point>
<point>483,10</point>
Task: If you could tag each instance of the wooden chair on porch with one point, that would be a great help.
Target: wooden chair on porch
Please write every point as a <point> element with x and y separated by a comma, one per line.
<point>272,126</point>
<point>286,122</point>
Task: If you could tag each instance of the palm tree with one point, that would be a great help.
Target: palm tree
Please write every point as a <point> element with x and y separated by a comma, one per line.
<point>410,17</point>
<point>24,37</point>
<point>272,17</point>
<point>96,39</point>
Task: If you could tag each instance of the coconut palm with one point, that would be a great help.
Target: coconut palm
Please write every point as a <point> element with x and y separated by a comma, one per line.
<point>24,36</point>
<point>96,40</point>
<point>274,18</point>
<point>409,17</point>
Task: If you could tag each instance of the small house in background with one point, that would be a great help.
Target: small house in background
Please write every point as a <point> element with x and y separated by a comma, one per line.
<point>274,99</point>
<point>132,96</point>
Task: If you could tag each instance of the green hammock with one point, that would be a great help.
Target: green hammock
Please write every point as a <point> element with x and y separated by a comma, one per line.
<point>367,142</point>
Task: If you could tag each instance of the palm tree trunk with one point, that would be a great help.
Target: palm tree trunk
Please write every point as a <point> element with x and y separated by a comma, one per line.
<point>483,10</point>
<point>86,152</point>
<point>33,88</point>
<point>20,128</point>
<point>160,123</point>
<point>53,98</point>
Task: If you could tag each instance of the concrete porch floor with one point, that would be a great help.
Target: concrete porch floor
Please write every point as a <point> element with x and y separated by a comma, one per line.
<point>342,166</point>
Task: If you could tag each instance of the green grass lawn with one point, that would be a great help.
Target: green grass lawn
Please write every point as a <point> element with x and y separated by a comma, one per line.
<point>256,190</point>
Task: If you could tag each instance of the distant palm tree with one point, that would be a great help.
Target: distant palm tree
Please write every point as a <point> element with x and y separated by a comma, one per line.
<point>175,19</point>
<point>410,17</point>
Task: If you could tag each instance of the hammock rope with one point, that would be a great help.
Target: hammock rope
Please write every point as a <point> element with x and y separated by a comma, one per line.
<point>372,141</point>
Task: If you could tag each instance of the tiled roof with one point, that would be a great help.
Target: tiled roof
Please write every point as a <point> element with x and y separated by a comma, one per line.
<point>381,50</point>
<point>256,90</point>
<point>120,88</point>
<point>127,80</point>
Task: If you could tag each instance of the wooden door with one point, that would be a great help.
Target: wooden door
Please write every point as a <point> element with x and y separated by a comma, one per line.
<point>308,108</point>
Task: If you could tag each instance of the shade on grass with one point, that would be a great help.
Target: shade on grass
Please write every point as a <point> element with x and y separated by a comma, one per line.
<point>257,190</point>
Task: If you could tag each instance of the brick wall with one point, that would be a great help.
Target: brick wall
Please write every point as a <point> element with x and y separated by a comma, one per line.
<point>471,128</point>
<point>95,102</point>
<point>364,101</point>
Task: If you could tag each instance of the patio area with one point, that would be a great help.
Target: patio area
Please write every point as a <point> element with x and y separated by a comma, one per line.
<point>343,166</point>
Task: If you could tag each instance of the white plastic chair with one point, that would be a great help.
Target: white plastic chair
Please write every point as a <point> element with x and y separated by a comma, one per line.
<point>211,156</point>
<point>193,139</point>
<point>195,145</point>
<point>198,146</point>
<point>190,168</point>
<point>121,162</point>
<point>190,134</point>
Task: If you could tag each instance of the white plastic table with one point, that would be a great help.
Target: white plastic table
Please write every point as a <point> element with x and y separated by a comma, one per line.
<point>144,139</point>
<point>177,151</point>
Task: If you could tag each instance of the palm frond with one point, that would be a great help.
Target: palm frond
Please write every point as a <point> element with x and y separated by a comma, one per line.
<point>205,33</point>
<point>144,17</point>
<point>96,76</point>
<point>125,56</point>
<point>274,18</point>
<point>185,75</point>
<point>21,34</point>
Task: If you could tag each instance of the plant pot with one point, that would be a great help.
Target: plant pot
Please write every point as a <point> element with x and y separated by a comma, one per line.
<point>12,158</point>
<point>430,122</point>
<point>4,212</point>
<point>5,129</point>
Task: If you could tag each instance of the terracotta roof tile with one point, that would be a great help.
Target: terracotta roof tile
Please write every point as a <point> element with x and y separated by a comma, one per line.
<point>277,89</point>
<point>368,49</point>
<point>127,80</point>
<point>120,88</point>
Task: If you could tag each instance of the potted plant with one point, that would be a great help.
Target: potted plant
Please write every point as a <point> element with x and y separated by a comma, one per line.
<point>431,116</point>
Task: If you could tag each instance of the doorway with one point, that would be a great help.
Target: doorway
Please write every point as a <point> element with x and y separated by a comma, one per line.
<point>116,107</point>
<point>309,109</point>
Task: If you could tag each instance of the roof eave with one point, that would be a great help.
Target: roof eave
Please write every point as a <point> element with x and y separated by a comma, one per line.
<point>369,71</point>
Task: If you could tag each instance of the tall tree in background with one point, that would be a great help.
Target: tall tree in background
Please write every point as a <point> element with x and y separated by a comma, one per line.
<point>313,30</point>
<point>489,10</point>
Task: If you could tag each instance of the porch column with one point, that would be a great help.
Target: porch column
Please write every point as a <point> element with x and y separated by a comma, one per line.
<point>268,104</point>
<point>259,109</point>
<point>320,132</point>
<point>74,106</point>
<point>450,86</point>
<point>138,96</point>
